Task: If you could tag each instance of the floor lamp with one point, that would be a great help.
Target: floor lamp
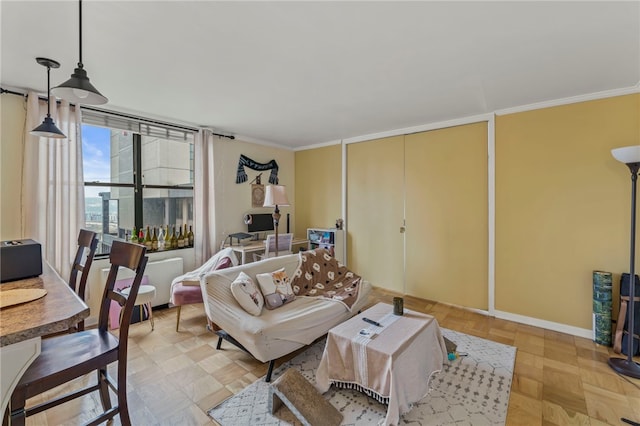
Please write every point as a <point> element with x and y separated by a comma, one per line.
<point>630,155</point>
<point>275,195</point>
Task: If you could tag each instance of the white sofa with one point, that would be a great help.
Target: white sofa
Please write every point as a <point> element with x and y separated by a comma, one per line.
<point>278,332</point>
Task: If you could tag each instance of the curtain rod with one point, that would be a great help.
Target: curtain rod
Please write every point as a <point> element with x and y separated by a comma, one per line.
<point>118,114</point>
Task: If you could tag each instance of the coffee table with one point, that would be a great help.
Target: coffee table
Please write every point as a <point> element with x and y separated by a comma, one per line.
<point>392,363</point>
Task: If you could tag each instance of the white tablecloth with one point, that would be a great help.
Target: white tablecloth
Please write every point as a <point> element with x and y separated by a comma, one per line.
<point>395,361</point>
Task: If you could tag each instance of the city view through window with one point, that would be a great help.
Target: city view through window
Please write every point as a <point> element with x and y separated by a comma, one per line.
<point>164,195</point>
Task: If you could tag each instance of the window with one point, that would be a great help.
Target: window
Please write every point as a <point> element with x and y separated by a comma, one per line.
<point>136,174</point>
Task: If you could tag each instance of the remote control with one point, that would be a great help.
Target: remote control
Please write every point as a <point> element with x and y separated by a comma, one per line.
<point>377,324</point>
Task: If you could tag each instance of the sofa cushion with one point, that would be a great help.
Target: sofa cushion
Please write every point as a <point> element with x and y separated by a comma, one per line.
<point>276,288</point>
<point>247,295</point>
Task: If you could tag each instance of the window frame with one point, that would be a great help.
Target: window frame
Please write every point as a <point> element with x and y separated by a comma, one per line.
<point>137,185</point>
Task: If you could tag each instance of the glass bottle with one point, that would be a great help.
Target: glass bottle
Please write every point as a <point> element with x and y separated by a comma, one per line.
<point>191,236</point>
<point>174,240</point>
<point>180,238</point>
<point>160,238</point>
<point>167,239</point>
<point>134,236</point>
<point>154,239</point>
<point>147,240</point>
<point>140,236</point>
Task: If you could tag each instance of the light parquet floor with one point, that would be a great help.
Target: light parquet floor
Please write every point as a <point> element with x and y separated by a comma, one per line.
<point>175,377</point>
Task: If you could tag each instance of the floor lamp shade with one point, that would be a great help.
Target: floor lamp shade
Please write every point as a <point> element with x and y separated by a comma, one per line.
<point>275,195</point>
<point>630,155</point>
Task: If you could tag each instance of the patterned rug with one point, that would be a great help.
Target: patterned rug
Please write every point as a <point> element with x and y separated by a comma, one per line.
<point>472,390</point>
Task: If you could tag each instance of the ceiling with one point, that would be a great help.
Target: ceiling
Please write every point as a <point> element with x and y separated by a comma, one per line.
<point>303,73</point>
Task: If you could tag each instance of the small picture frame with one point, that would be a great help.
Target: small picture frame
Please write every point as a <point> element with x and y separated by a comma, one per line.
<point>257,195</point>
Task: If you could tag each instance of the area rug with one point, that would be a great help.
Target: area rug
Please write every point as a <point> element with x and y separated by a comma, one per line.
<point>471,390</point>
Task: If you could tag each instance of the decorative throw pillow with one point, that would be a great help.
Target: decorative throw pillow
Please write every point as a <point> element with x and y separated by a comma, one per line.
<point>276,287</point>
<point>247,294</point>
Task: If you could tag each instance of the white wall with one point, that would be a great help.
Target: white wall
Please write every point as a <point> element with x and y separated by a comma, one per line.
<point>234,200</point>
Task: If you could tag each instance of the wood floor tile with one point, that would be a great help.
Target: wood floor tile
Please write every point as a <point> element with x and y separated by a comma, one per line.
<point>526,342</point>
<point>526,386</point>
<point>524,410</point>
<point>570,402</point>
<point>607,406</point>
<point>553,414</point>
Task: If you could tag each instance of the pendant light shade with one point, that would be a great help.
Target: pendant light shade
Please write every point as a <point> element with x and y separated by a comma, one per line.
<point>78,89</point>
<point>48,128</point>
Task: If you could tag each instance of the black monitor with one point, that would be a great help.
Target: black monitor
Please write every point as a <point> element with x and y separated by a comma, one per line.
<point>260,222</point>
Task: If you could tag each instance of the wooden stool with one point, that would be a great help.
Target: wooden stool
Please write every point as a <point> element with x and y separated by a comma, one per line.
<point>146,293</point>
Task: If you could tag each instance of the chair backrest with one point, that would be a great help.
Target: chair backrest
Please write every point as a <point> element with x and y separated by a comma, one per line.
<point>284,244</point>
<point>87,240</point>
<point>126,255</point>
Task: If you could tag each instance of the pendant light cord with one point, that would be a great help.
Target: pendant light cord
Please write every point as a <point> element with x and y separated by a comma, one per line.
<point>80,38</point>
<point>48,91</point>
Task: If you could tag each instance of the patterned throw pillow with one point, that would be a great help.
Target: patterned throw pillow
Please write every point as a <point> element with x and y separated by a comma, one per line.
<point>247,294</point>
<point>276,287</point>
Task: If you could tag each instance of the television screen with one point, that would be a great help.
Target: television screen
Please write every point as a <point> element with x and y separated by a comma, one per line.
<point>260,222</point>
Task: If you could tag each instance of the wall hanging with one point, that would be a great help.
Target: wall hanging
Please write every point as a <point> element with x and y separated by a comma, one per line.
<point>246,161</point>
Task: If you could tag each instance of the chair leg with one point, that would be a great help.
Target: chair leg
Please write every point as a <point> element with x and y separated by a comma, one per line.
<point>105,399</point>
<point>178,317</point>
<point>123,406</point>
<point>150,315</point>
<point>17,406</point>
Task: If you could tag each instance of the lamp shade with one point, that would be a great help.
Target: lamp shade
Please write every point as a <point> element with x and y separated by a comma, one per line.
<point>275,195</point>
<point>627,154</point>
<point>48,129</point>
<point>78,89</point>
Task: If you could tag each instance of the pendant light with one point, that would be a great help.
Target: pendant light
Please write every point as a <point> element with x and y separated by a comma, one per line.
<point>48,128</point>
<point>78,89</point>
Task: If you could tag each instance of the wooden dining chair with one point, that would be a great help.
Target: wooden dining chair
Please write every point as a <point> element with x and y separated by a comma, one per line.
<point>87,240</point>
<point>69,356</point>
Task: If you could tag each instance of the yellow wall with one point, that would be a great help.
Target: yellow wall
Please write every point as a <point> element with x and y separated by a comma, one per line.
<point>562,205</point>
<point>375,176</point>
<point>318,188</point>
<point>13,110</point>
<point>447,215</point>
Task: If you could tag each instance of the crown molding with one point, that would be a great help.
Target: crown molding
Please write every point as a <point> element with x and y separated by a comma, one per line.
<point>571,100</point>
<point>318,145</point>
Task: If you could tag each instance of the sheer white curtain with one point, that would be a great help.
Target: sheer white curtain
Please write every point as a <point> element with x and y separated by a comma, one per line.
<point>204,209</point>
<point>52,183</point>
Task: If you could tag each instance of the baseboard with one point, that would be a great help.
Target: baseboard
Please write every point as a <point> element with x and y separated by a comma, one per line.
<point>549,325</point>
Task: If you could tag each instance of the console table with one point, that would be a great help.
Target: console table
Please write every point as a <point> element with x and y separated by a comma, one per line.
<point>21,326</point>
<point>392,363</point>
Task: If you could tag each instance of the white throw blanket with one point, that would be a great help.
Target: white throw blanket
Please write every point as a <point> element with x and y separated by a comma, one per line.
<point>208,266</point>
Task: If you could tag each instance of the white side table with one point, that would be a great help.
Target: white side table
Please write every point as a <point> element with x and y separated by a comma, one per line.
<point>146,293</point>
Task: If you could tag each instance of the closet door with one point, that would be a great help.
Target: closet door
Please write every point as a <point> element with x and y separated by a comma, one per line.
<point>375,171</point>
<point>447,216</point>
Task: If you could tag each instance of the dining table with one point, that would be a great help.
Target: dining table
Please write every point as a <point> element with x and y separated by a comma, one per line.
<point>22,325</point>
